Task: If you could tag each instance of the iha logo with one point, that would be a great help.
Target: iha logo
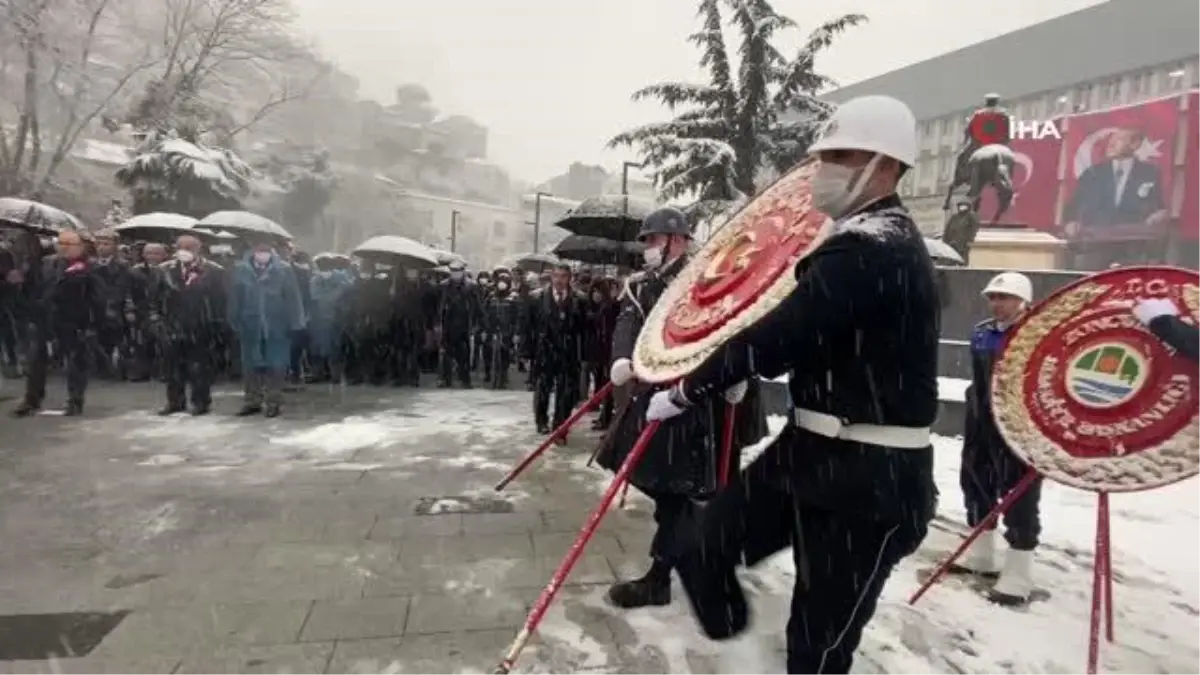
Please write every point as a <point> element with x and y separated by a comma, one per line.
<point>989,128</point>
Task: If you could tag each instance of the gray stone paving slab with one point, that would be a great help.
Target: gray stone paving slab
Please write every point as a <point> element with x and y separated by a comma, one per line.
<point>311,657</point>
<point>437,550</point>
<point>518,522</point>
<point>360,618</point>
<point>558,543</point>
<point>198,629</point>
<point>408,525</point>
<point>122,663</point>
<point>470,608</point>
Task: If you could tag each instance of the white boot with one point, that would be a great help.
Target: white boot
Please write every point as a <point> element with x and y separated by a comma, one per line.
<point>980,556</point>
<point>1015,584</point>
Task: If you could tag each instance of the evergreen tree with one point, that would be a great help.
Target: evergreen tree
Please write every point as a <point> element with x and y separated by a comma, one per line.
<point>726,131</point>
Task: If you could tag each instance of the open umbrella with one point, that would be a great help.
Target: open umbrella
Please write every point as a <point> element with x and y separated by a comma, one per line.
<point>219,234</point>
<point>446,258</point>
<point>943,253</point>
<point>616,217</point>
<point>244,223</point>
<point>530,262</point>
<point>37,216</point>
<point>159,227</point>
<point>397,251</point>
<point>597,251</point>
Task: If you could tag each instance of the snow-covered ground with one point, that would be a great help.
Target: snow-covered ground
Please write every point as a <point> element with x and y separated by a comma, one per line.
<point>1155,554</point>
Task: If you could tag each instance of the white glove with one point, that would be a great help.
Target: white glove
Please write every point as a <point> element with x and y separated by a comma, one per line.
<point>737,392</point>
<point>1147,310</point>
<point>661,407</point>
<point>621,372</point>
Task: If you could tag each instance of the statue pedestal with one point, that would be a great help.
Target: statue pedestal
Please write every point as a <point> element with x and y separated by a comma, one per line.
<point>1016,249</point>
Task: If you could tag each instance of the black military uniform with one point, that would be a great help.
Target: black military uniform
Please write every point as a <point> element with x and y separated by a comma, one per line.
<point>681,463</point>
<point>480,341</point>
<point>848,483</point>
<point>123,295</point>
<point>502,320</point>
<point>458,313</point>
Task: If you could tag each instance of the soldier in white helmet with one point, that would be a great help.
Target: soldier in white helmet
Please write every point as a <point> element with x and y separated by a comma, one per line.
<point>848,482</point>
<point>989,469</point>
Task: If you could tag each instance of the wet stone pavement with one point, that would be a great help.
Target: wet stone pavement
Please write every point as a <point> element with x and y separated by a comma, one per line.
<point>359,532</point>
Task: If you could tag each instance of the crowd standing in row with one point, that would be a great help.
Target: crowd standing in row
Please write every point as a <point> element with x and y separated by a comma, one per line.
<point>270,315</point>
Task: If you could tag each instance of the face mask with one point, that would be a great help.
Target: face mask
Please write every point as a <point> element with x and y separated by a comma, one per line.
<point>502,286</point>
<point>456,276</point>
<point>654,256</point>
<point>262,257</point>
<point>832,192</point>
<point>184,256</point>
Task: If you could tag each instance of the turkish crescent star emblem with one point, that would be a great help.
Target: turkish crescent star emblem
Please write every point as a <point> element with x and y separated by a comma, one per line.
<point>1083,156</point>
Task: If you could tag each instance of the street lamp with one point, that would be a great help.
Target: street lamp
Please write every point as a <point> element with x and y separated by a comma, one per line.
<point>453,230</point>
<point>625,175</point>
<point>537,216</point>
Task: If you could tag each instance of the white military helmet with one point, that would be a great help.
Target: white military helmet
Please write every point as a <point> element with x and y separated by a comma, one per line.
<point>1011,283</point>
<point>879,124</point>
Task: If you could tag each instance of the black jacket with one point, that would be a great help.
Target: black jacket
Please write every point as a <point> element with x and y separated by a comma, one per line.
<point>68,296</point>
<point>190,303</point>
<point>859,337</point>
<point>1182,337</point>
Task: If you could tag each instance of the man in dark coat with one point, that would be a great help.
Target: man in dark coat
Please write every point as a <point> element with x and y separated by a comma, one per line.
<point>681,464</point>
<point>557,337</point>
<point>123,296</point>
<point>145,347</point>
<point>67,306</point>
<point>458,313</point>
<point>188,303</point>
<point>848,482</point>
<point>602,312</point>
<point>1161,317</point>
<point>501,317</point>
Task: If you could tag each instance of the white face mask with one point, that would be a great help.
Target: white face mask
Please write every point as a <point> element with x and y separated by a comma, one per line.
<point>653,257</point>
<point>502,286</point>
<point>184,256</point>
<point>832,192</point>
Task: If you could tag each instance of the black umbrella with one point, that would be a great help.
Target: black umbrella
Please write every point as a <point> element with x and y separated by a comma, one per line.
<point>597,251</point>
<point>531,262</point>
<point>615,217</point>
<point>32,215</point>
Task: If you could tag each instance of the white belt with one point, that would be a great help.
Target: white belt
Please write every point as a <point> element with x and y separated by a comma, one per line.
<point>822,424</point>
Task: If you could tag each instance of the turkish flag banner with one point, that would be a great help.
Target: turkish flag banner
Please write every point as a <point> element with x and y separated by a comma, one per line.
<point>1035,184</point>
<point>1189,214</point>
<point>1118,166</point>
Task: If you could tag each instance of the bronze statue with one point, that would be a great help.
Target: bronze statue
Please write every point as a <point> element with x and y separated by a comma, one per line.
<point>979,165</point>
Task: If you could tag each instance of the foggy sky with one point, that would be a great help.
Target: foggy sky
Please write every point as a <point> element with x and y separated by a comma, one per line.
<point>552,78</point>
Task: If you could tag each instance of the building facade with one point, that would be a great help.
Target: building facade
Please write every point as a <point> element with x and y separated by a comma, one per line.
<point>1111,54</point>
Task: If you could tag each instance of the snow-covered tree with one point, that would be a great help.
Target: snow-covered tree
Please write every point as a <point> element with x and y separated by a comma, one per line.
<point>728,130</point>
<point>177,176</point>
<point>308,183</point>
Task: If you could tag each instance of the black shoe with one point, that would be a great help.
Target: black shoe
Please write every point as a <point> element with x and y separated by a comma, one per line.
<point>201,409</point>
<point>272,410</point>
<point>25,409</point>
<point>248,410</point>
<point>171,410</point>
<point>543,428</point>
<point>73,409</point>
<point>599,425</point>
<point>652,590</point>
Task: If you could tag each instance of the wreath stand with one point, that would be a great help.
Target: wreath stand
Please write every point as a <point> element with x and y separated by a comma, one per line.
<point>1102,573</point>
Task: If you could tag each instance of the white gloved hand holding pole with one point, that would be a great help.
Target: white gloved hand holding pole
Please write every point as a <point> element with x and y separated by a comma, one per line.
<point>662,407</point>
<point>737,392</point>
<point>1147,310</point>
<point>621,372</point>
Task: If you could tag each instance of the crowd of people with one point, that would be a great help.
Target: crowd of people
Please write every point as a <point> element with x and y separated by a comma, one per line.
<point>271,315</point>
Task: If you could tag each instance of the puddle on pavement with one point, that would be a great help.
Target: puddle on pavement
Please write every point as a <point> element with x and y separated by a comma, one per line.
<point>43,636</point>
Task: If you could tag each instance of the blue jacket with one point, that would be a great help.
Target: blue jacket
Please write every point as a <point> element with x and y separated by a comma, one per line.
<point>265,309</point>
<point>986,339</point>
<point>327,290</point>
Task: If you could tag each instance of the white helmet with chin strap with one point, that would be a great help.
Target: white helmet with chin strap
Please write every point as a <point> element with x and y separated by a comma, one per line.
<point>877,124</point>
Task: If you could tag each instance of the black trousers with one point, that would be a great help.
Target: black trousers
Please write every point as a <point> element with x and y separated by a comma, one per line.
<point>598,378</point>
<point>110,349</point>
<point>843,556</point>
<point>189,362</point>
<point>561,381</point>
<point>669,512</point>
<point>987,472</point>
<point>456,356</point>
<point>76,351</point>
<point>299,353</point>
<point>502,353</point>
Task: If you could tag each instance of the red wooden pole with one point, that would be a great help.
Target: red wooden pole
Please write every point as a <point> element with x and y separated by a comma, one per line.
<point>1099,573</point>
<point>560,432</point>
<point>585,535</point>
<point>1013,495</point>
<point>1106,530</point>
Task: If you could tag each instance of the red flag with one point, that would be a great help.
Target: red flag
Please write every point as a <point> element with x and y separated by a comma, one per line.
<point>1189,214</point>
<point>1093,139</point>
<point>1035,179</point>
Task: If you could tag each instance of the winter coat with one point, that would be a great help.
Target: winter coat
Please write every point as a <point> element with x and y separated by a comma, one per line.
<point>458,311</point>
<point>265,308</point>
<point>189,304</point>
<point>683,456</point>
<point>122,292</point>
<point>67,297</point>
<point>558,331</point>
<point>327,290</point>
